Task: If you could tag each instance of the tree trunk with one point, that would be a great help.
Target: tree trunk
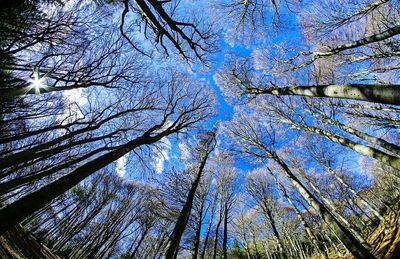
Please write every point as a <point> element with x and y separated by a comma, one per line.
<point>225,239</point>
<point>272,223</point>
<point>360,148</point>
<point>387,94</point>
<point>358,197</point>
<point>309,232</point>
<point>355,231</point>
<point>210,221</point>
<point>132,255</point>
<point>356,248</point>
<point>198,231</point>
<point>23,180</point>
<point>14,212</point>
<point>374,140</point>
<point>217,231</point>
<point>175,238</point>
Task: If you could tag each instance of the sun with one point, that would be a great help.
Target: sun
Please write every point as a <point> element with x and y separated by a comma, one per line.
<point>37,82</point>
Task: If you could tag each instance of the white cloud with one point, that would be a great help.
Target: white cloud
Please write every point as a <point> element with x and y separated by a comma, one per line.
<point>75,99</point>
<point>163,155</point>
<point>184,151</point>
<point>121,163</point>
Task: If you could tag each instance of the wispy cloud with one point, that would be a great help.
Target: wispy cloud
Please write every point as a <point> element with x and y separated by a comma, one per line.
<point>184,151</point>
<point>75,99</point>
<point>163,155</point>
<point>121,164</point>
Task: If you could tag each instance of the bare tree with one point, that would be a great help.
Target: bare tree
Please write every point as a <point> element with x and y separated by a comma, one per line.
<point>259,142</point>
<point>206,146</point>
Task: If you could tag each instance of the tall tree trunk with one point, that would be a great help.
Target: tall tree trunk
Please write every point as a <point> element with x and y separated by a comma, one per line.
<point>175,238</point>
<point>210,221</point>
<point>197,234</point>
<point>360,148</point>
<point>132,255</point>
<point>393,31</point>
<point>14,212</point>
<point>272,223</point>
<point>351,227</point>
<point>217,231</point>
<point>44,148</point>
<point>308,229</point>
<point>358,198</point>
<point>30,178</point>
<point>369,107</point>
<point>386,94</point>
<point>362,135</point>
<point>225,239</point>
<point>356,248</point>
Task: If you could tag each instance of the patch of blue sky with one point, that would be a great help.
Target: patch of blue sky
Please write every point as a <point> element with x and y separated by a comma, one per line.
<point>290,35</point>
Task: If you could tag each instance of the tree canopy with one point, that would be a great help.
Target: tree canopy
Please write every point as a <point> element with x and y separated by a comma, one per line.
<point>199,129</point>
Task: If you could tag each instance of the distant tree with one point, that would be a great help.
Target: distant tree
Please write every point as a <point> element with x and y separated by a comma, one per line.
<point>236,251</point>
<point>259,142</point>
<point>169,121</point>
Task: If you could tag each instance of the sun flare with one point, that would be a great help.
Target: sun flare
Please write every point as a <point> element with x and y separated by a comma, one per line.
<point>37,82</point>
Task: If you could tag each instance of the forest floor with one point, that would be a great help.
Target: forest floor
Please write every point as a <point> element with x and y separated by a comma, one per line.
<point>17,244</point>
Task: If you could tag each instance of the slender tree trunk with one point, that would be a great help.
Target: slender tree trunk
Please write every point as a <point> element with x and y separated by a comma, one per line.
<point>272,223</point>
<point>246,247</point>
<point>364,41</point>
<point>374,119</point>
<point>307,228</point>
<point>217,231</point>
<point>14,212</point>
<point>132,255</point>
<point>374,140</point>
<point>360,148</point>
<point>386,94</point>
<point>358,197</point>
<point>210,221</point>
<point>356,248</point>
<point>197,234</point>
<point>31,154</point>
<point>23,180</point>
<point>163,239</point>
<point>393,31</point>
<point>43,149</point>
<point>369,107</point>
<point>175,238</point>
<point>225,239</point>
<point>355,231</point>
<point>257,253</point>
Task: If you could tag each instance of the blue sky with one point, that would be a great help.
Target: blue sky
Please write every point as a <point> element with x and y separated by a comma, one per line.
<point>225,111</point>
<point>290,34</point>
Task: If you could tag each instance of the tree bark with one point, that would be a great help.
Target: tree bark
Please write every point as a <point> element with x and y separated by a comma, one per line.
<point>387,94</point>
<point>217,231</point>
<point>175,238</point>
<point>225,239</point>
<point>360,148</point>
<point>301,218</point>
<point>197,234</point>
<point>14,212</point>
<point>210,221</point>
<point>350,242</point>
<point>362,135</point>
<point>355,231</point>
